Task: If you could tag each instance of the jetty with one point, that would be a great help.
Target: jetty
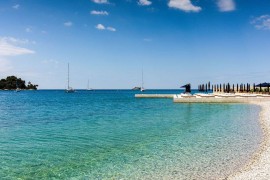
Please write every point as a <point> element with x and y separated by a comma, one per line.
<point>210,98</point>
<point>218,94</point>
<point>221,98</point>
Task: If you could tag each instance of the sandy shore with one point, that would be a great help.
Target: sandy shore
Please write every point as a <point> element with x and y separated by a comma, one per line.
<point>259,166</point>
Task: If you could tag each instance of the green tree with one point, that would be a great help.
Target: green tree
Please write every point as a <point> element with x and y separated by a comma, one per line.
<point>31,86</point>
<point>12,83</point>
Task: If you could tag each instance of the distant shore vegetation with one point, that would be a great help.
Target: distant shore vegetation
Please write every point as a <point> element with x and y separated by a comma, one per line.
<point>13,83</point>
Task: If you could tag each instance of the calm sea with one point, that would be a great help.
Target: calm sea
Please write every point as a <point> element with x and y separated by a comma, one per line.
<point>109,134</point>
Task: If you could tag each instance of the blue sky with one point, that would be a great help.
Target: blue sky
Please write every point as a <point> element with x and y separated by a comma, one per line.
<point>109,42</point>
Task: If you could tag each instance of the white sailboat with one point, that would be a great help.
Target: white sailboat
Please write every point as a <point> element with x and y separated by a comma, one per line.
<point>88,89</point>
<point>69,89</point>
<point>17,87</point>
<point>142,88</point>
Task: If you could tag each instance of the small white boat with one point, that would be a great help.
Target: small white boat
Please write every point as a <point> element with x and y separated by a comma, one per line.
<point>187,95</point>
<point>201,95</point>
<point>69,89</point>
<point>142,88</point>
<point>183,95</point>
<point>17,87</point>
<point>88,89</point>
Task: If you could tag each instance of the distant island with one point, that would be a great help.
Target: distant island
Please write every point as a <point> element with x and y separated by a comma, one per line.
<point>13,83</point>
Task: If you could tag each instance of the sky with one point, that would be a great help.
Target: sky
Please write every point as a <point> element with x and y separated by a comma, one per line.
<point>110,42</point>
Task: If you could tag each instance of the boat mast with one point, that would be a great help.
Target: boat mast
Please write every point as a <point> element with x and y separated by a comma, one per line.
<point>142,78</point>
<point>68,75</point>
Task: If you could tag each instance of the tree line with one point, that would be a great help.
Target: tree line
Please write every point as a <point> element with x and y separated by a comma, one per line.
<point>12,83</point>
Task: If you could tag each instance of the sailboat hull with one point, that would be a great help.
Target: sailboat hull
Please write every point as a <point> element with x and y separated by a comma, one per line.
<point>70,91</point>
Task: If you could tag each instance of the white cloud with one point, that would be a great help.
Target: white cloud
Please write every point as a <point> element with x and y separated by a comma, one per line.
<point>68,24</point>
<point>5,65</point>
<point>226,5</point>
<point>28,29</point>
<point>184,5</point>
<point>262,22</point>
<point>111,29</point>
<point>104,13</point>
<point>100,27</point>
<point>144,2</point>
<point>16,6</point>
<point>13,40</point>
<point>51,62</point>
<point>101,1</point>
<point>147,39</point>
<point>9,47</point>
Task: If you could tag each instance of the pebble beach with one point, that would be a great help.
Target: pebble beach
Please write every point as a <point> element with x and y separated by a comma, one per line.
<point>259,166</point>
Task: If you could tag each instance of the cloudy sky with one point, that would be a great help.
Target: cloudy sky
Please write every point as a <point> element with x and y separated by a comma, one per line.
<point>109,42</point>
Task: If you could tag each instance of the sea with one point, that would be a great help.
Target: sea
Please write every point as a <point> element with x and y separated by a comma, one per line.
<point>110,134</point>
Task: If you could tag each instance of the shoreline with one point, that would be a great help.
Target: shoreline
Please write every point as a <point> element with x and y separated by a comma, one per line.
<point>258,167</point>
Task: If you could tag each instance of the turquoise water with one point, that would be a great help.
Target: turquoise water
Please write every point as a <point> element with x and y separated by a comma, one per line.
<point>112,135</point>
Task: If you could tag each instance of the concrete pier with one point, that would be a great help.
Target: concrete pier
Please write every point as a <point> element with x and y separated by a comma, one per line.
<point>210,98</point>
<point>221,100</point>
